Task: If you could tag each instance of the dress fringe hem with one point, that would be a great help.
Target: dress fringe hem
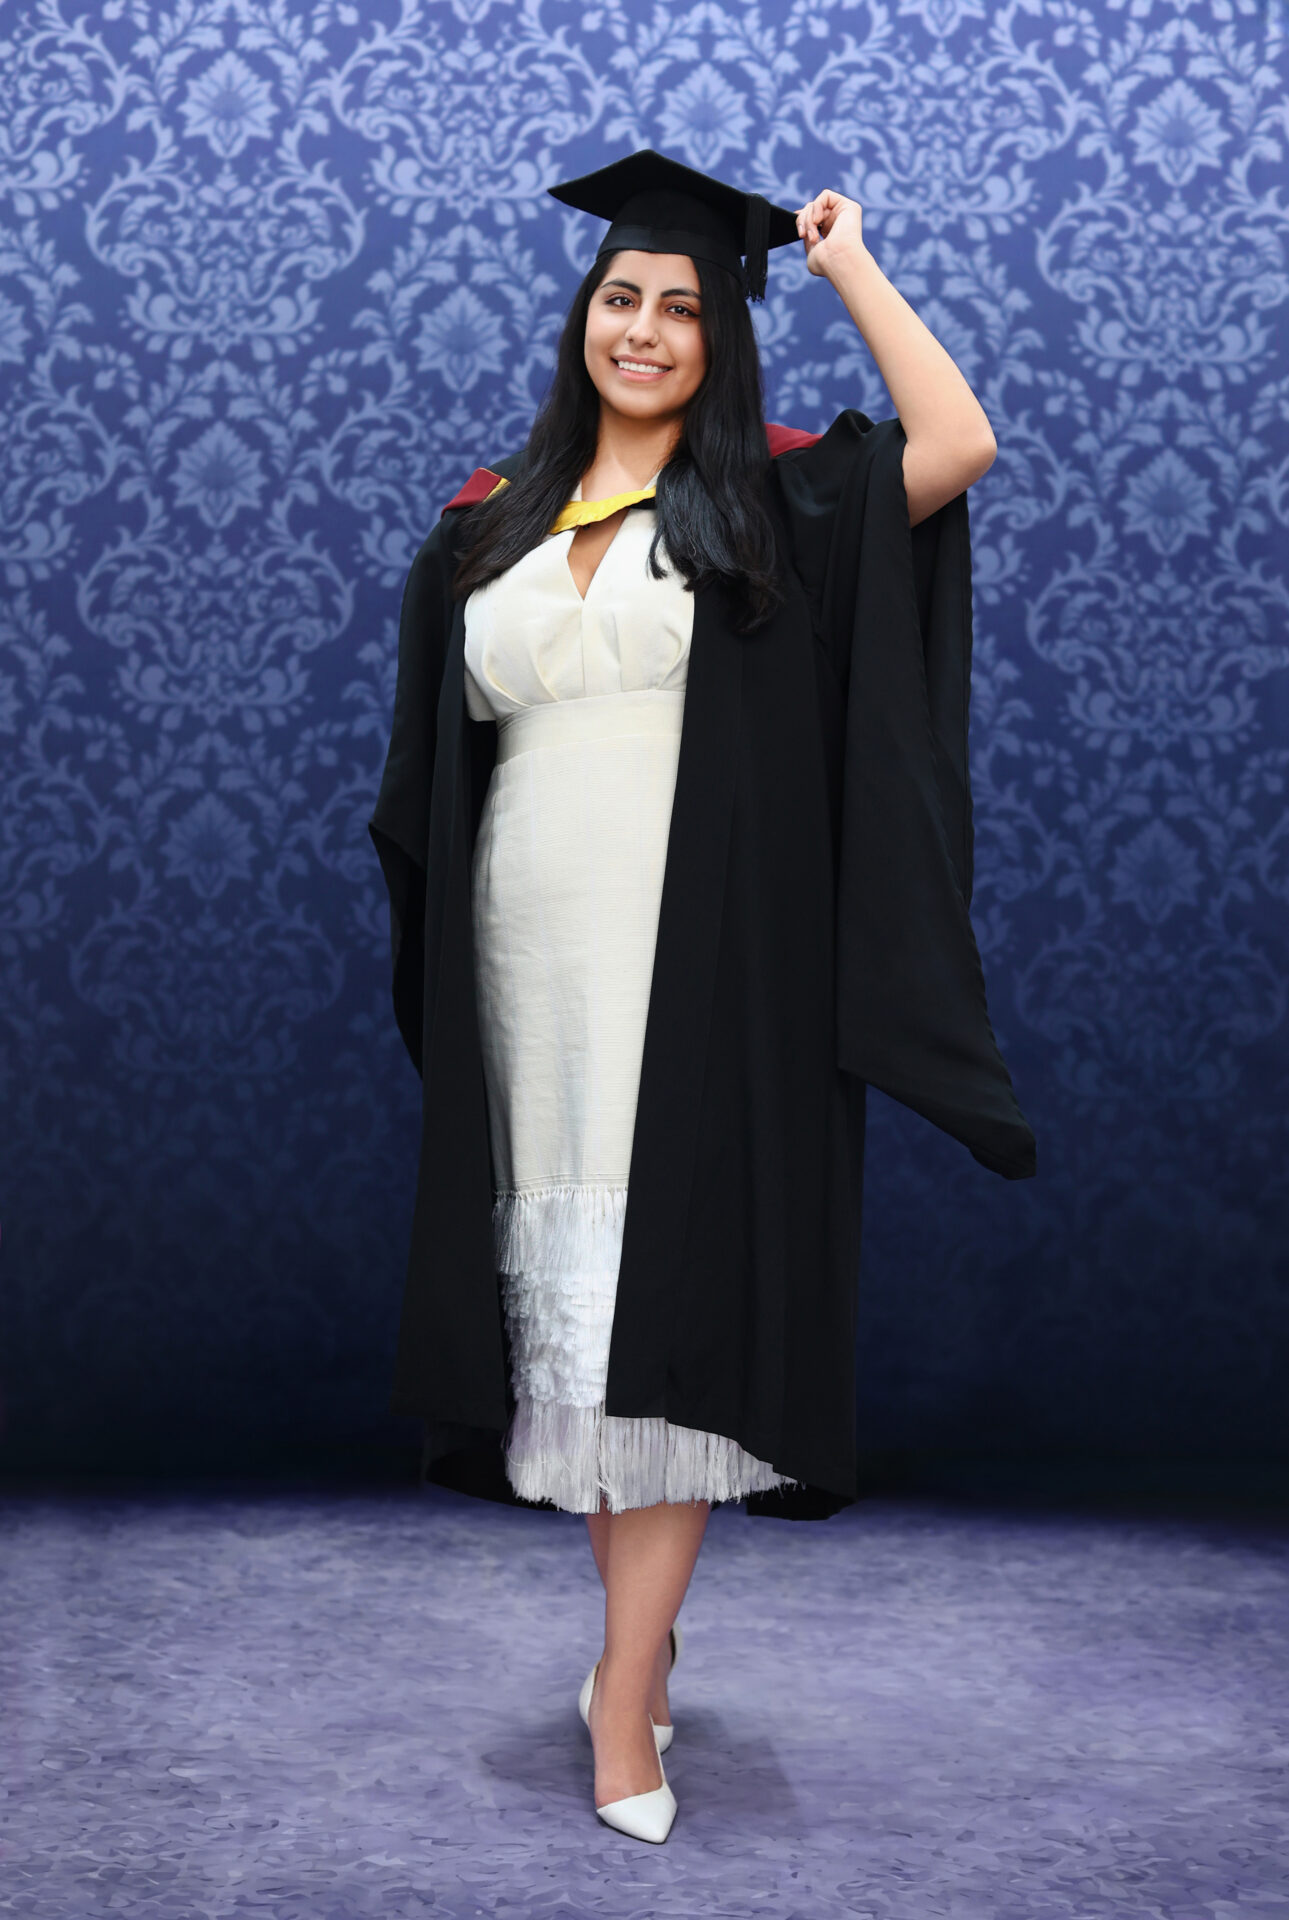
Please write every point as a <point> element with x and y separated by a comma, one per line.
<point>571,1455</point>
<point>558,1250</point>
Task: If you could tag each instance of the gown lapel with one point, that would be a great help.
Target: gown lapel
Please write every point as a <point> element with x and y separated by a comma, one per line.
<point>679,1017</point>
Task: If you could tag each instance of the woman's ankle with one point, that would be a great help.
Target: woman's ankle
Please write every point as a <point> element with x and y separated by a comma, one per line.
<point>626,1682</point>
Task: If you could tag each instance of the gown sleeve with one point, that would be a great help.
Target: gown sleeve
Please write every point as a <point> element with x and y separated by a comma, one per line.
<point>399,826</point>
<point>892,611</point>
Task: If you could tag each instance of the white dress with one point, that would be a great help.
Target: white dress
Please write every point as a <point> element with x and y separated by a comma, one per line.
<point>566,886</point>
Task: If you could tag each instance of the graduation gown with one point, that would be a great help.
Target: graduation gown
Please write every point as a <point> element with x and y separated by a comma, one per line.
<point>813,939</point>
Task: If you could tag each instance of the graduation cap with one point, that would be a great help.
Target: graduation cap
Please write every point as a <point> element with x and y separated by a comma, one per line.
<point>659,206</point>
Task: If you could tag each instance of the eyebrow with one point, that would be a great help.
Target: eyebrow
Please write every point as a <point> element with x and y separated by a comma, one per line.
<point>666,292</point>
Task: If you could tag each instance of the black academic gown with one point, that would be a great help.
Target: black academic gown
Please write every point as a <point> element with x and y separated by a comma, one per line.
<point>813,938</point>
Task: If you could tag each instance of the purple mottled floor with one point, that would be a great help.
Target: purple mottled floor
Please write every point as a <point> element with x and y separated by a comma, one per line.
<point>334,1707</point>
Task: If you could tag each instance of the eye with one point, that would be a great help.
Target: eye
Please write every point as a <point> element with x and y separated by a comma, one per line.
<point>611,299</point>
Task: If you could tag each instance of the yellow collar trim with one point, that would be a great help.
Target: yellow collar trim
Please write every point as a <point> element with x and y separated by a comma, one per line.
<point>584,513</point>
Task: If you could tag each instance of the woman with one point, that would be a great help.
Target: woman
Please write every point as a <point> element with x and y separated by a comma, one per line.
<point>691,871</point>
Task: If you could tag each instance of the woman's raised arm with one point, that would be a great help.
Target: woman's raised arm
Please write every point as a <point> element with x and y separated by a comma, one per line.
<point>949,440</point>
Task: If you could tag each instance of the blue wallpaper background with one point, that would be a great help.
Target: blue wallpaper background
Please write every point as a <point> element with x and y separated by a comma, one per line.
<point>273,279</point>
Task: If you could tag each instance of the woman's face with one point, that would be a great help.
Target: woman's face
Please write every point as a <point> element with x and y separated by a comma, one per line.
<point>646,314</point>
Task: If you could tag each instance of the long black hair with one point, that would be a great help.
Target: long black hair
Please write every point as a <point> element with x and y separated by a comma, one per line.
<point>711,514</point>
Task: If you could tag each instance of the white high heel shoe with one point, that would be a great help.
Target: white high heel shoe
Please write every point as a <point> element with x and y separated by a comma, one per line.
<point>645,1816</point>
<point>662,1735</point>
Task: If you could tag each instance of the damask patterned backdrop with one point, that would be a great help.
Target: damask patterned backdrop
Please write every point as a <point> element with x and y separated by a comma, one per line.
<point>276,277</point>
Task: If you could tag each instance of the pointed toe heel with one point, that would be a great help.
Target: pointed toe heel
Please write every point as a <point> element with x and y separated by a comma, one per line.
<point>584,1697</point>
<point>645,1816</point>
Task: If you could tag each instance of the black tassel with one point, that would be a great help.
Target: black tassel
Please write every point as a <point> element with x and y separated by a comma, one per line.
<point>756,245</point>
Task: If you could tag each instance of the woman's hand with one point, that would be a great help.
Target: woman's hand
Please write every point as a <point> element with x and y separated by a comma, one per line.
<point>831,229</point>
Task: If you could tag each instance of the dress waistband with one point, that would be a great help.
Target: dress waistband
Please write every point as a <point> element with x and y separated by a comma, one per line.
<point>593,716</point>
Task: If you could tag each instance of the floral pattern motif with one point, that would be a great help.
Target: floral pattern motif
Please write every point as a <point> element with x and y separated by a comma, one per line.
<point>274,277</point>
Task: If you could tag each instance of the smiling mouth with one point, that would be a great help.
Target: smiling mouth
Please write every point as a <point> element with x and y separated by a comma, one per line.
<point>625,365</point>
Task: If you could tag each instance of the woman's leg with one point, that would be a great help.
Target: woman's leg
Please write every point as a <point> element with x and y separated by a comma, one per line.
<point>647,1567</point>
<point>597,1526</point>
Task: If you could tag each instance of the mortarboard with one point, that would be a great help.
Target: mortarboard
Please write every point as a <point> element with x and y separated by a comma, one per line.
<point>659,206</point>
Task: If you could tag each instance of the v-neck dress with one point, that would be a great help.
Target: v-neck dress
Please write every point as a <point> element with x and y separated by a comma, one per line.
<point>588,696</point>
